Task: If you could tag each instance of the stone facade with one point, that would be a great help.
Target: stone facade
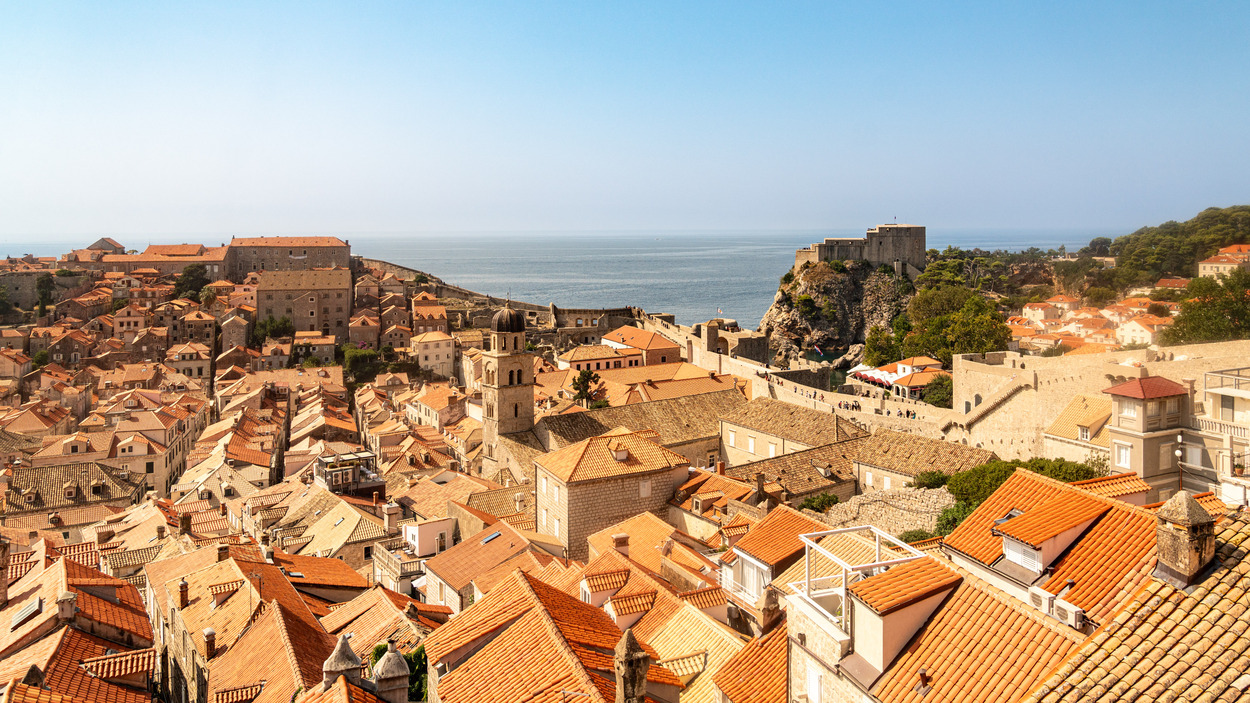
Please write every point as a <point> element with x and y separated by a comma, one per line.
<point>318,301</point>
<point>247,254</point>
<point>883,244</point>
<point>894,511</point>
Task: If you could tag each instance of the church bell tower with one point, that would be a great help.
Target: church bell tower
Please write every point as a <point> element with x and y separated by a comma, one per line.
<point>507,384</point>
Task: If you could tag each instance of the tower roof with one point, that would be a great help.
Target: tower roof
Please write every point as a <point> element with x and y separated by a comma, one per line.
<point>508,320</point>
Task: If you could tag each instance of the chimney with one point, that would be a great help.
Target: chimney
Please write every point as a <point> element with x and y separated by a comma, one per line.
<point>1185,540</point>
<point>264,539</point>
<point>720,468</point>
<point>210,643</point>
<point>66,606</point>
<point>390,676</point>
<point>620,542</point>
<point>1190,391</point>
<point>759,487</point>
<point>390,517</point>
<point>184,524</point>
<point>160,532</point>
<point>341,662</point>
<point>268,552</point>
<point>631,664</point>
<point>4,569</point>
<point>770,611</point>
<point>183,591</point>
<point>519,499</point>
<point>223,552</point>
<point>375,498</point>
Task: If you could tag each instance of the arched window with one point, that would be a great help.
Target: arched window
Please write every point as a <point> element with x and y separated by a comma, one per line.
<point>509,378</point>
<point>516,410</point>
<point>520,376</point>
<point>976,400</point>
<point>516,341</point>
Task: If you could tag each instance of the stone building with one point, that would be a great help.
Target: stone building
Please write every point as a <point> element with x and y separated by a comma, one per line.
<point>897,245</point>
<point>765,428</point>
<point>315,301</point>
<point>892,459</point>
<point>600,481</point>
<point>249,254</point>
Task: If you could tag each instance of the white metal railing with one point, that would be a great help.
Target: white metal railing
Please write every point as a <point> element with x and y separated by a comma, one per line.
<point>814,589</point>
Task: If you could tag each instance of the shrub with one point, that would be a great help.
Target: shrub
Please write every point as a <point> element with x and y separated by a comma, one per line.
<point>930,479</point>
<point>952,516</point>
<point>788,278</point>
<point>911,536</point>
<point>65,273</point>
<point>820,503</point>
<point>838,265</point>
<point>805,305</point>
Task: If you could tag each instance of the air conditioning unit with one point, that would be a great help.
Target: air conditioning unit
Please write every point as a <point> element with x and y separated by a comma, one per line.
<point>1071,615</point>
<point>1041,599</point>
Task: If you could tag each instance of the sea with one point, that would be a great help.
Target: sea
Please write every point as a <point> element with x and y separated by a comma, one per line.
<point>695,275</point>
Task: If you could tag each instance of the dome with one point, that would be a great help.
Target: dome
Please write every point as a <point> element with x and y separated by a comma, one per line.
<point>507,320</point>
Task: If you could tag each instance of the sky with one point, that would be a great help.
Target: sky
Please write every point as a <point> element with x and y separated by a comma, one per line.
<point>380,117</point>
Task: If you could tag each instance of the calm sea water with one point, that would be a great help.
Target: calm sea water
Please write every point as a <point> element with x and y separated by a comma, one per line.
<point>689,274</point>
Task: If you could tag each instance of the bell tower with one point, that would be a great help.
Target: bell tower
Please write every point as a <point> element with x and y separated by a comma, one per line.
<point>507,384</point>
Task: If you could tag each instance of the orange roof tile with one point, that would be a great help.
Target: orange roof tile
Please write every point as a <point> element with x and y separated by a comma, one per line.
<point>704,598</point>
<point>596,457</point>
<point>1051,519</point>
<point>776,538</point>
<point>1115,485</point>
<point>758,673</point>
<point>904,584</point>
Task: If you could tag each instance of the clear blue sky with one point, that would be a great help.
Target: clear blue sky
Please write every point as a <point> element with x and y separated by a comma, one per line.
<point>219,117</point>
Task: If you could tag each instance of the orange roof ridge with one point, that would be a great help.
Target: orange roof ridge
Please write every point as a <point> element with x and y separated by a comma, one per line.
<point>1052,518</point>
<point>562,644</point>
<point>904,584</point>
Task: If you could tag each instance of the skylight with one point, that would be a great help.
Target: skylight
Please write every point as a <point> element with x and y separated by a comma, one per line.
<point>493,535</point>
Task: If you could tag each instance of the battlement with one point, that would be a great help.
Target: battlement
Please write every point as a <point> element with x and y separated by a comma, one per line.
<point>893,245</point>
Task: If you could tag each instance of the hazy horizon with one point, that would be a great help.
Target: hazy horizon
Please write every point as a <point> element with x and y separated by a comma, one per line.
<point>196,119</point>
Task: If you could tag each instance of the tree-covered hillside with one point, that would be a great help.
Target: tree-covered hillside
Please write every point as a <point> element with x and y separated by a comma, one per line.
<point>1173,248</point>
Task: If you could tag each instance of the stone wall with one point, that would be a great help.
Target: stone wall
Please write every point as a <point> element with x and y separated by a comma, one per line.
<point>894,511</point>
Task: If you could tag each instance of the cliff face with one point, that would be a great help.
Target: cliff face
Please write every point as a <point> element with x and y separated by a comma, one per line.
<point>832,306</point>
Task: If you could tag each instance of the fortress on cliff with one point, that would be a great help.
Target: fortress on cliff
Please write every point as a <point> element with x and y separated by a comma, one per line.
<point>900,246</point>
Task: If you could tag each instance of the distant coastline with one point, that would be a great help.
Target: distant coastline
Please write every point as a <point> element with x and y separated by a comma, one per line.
<point>691,274</point>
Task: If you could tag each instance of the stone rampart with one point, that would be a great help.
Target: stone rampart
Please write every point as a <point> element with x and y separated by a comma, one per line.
<point>894,511</point>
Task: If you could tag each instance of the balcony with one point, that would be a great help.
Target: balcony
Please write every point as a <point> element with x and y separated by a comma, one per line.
<point>835,559</point>
<point>396,557</point>
<point>1222,427</point>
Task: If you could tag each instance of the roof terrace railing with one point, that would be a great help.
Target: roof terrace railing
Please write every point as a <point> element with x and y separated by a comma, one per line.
<point>822,591</point>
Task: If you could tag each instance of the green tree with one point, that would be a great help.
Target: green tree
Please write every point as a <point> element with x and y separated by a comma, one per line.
<point>950,518</point>
<point>584,386</point>
<point>940,392</point>
<point>208,296</point>
<point>312,362</point>
<point>978,328</point>
<point>1099,297</point>
<point>929,479</point>
<point>879,347</point>
<point>191,281</point>
<point>1057,350</point>
<point>788,278</point>
<point>1158,310</point>
<point>120,303</point>
<point>45,288</point>
<point>40,359</point>
<point>1216,311</point>
<point>65,273</point>
<point>937,302</point>
<point>972,487</point>
<point>271,327</point>
<point>819,502</point>
<point>362,364</point>
<point>805,305</point>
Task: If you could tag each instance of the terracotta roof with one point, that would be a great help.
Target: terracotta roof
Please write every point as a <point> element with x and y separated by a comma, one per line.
<point>1115,485</point>
<point>980,645</point>
<point>596,458</point>
<point>903,585</point>
<point>678,420</point>
<point>1052,518</point>
<point>1148,388</point>
<point>379,614</point>
<point>646,534</point>
<point>112,666</point>
<point>280,650</point>
<point>796,473</point>
<point>758,673</point>
<point>800,424</point>
<point>775,539</point>
<point>910,454</point>
<point>548,640</point>
<point>477,554</point>
<point>1114,554</point>
<point>1167,643</point>
<point>61,656</point>
<point>1091,412</point>
<point>640,339</point>
<point>705,598</point>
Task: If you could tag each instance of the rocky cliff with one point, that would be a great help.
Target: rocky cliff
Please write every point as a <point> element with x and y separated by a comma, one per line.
<point>832,305</point>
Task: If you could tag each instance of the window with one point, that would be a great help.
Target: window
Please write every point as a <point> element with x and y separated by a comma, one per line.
<point>1021,554</point>
<point>555,491</point>
<point>544,517</point>
<point>644,488</point>
<point>544,482</point>
<point>750,445</point>
<point>1174,405</point>
<point>150,468</point>
<point>557,530</point>
<point>867,478</point>
<point>1123,455</point>
<point>885,482</point>
<point>733,437</point>
<point>368,552</point>
<point>1128,409</point>
<point>1152,408</point>
<point>772,449</point>
<point>815,682</point>
<point>585,593</point>
<point>1084,434</point>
